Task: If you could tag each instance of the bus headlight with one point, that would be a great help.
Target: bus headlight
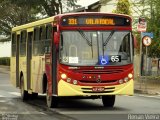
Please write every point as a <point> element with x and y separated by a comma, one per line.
<point>63,76</point>
<point>126,79</point>
<point>130,75</point>
<point>68,80</point>
<point>121,81</point>
<point>75,82</point>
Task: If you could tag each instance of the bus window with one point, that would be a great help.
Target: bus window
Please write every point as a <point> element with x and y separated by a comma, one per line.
<point>125,46</point>
<point>23,43</point>
<point>35,41</point>
<point>42,37</point>
<point>49,31</point>
<point>48,38</point>
<point>13,44</point>
<point>73,51</point>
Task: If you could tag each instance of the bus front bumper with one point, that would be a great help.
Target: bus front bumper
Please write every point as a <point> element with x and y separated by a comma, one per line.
<point>67,89</point>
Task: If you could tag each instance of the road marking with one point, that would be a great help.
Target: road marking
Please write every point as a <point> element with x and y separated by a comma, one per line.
<point>15,93</point>
<point>9,94</point>
<point>2,101</point>
<point>2,96</point>
<point>5,85</point>
<point>149,96</point>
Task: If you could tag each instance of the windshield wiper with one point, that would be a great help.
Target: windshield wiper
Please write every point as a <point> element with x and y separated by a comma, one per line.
<point>87,40</point>
<point>108,38</point>
<point>85,37</point>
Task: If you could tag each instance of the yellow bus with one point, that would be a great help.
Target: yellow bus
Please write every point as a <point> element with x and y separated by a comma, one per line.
<point>74,55</point>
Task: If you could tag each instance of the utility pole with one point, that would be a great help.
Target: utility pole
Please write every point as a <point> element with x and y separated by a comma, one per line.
<point>141,50</point>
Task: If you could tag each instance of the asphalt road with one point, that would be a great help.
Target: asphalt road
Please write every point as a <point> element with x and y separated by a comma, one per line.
<point>126,107</point>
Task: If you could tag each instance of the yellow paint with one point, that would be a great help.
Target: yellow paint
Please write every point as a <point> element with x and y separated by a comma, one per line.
<point>18,32</point>
<point>30,30</point>
<point>13,71</point>
<point>33,24</point>
<point>67,89</point>
<point>37,71</point>
<point>22,67</point>
<point>37,64</point>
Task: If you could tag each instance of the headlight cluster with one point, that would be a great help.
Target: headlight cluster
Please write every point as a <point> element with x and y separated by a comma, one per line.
<point>64,77</point>
<point>126,79</point>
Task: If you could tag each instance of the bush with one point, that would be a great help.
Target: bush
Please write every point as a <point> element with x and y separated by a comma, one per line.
<point>5,61</point>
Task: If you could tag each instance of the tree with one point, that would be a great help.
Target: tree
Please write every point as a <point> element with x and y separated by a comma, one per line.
<point>18,12</point>
<point>153,22</point>
<point>150,9</point>
<point>12,15</point>
<point>49,7</point>
<point>123,7</point>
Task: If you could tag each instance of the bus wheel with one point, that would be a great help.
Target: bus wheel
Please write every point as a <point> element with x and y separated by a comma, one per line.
<point>108,100</point>
<point>24,93</point>
<point>34,95</point>
<point>52,101</point>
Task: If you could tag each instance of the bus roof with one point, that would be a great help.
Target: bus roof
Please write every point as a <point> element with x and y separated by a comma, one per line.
<point>81,13</point>
<point>36,23</point>
<point>51,19</point>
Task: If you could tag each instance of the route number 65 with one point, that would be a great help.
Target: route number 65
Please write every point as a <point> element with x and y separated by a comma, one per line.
<point>115,58</point>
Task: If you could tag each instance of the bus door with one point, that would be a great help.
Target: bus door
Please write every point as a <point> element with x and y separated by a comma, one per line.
<point>29,57</point>
<point>17,60</point>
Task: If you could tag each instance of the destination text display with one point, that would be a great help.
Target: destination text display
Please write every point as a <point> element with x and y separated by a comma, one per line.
<point>95,21</point>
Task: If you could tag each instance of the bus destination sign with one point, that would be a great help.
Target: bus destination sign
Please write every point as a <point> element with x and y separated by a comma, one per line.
<point>95,21</point>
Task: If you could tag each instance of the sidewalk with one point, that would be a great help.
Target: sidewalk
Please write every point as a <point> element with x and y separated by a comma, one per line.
<point>147,86</point>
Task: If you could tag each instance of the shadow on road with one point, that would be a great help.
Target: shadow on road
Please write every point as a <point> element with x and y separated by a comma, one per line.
<point>76,104</point>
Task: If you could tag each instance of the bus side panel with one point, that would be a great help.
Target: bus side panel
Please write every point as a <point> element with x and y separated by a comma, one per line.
<point>48,73</point>
<point>37,71</point>
<point>23,68</point>
<point>13,71</point>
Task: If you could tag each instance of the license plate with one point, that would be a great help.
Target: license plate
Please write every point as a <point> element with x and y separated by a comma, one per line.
<point>98,89</point>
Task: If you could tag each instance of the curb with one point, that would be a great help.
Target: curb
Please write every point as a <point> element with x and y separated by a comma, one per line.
<point>138,91</point>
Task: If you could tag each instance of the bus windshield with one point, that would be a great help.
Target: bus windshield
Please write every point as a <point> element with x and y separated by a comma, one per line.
<point>94,48</point>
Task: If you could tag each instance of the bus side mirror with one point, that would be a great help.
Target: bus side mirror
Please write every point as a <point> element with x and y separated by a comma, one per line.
<point>56,38</point>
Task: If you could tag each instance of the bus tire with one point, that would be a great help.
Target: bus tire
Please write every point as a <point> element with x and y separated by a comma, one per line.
<point>34,95</point>
<point>52,101</point>
<point>108,100</point>
<point>24,93</point>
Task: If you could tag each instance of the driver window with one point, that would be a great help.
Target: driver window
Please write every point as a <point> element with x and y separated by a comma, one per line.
<point>72,51</point>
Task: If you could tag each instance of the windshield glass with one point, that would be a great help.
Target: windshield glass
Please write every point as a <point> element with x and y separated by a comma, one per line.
<point>88,48</point>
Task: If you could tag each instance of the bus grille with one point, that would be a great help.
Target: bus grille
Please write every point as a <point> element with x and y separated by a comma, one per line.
<point>94,81</point>
<point>108,71</point>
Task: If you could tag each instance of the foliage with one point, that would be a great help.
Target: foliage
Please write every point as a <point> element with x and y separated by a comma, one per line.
<point>5,61</point>
<point>150,9</point>
<point>49,7</point>
<point>123,7</point>
<point>18,12</point>
<point>153,22</point>
<point>12,15</point>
